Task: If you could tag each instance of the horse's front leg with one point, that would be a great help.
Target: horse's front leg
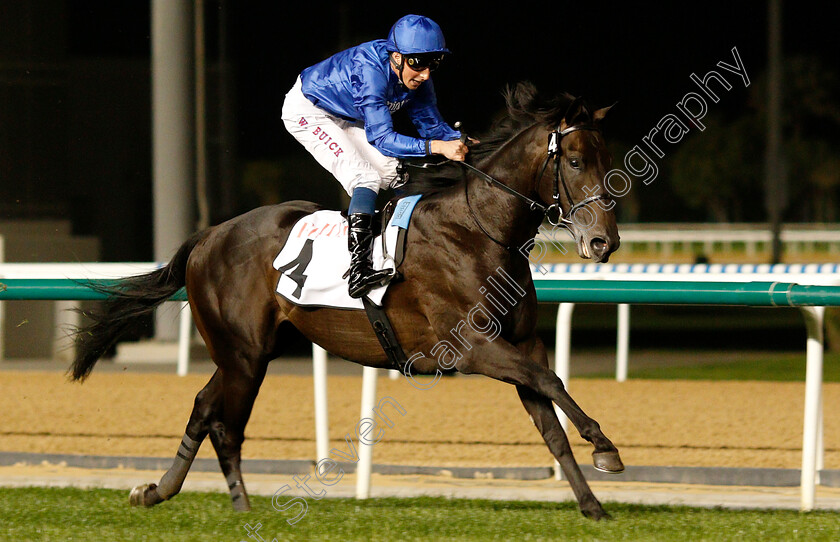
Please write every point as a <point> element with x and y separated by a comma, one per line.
<point>544,418</point>
<point>542,414</point>
<point>502,361</point>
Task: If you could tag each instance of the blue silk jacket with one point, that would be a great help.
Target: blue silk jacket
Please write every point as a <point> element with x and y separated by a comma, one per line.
<point>358,84</point>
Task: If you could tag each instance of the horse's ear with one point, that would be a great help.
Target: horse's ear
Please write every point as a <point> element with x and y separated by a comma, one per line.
<point>599,114</point>
<point>577,113</point>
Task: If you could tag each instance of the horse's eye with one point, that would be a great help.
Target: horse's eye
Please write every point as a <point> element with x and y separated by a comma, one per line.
<point>575,163</point>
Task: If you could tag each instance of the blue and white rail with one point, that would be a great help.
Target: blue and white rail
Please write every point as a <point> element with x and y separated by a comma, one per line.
<point>768,286</point>
<point>827,274</point>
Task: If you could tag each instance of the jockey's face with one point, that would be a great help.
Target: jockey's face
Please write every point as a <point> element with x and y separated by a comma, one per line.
<point>411,78</point>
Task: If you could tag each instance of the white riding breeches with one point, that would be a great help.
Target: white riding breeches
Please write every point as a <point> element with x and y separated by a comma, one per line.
<point>338,145</point>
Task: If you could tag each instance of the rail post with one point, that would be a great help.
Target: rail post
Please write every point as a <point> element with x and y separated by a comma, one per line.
<point>623,351</point>
<point>319,379</point>
<point>562,362</point>
<point>365,465</point>
<point>184,333</point>
<point>811,455</point>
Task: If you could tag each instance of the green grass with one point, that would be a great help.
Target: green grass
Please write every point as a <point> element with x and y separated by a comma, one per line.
<point>99,514</point>
<point>781,368</point>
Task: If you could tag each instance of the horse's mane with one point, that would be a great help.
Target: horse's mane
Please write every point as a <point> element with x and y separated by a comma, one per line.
<point>524,109</point>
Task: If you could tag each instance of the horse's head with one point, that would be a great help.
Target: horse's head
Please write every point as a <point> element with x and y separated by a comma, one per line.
<point>573,180</point>
<point>553,158</point>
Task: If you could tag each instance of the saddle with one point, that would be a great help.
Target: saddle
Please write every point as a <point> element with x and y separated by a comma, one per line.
<point>315,255</point>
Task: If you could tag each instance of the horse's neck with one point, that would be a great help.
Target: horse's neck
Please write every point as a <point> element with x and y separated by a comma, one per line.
<point>507,218</point>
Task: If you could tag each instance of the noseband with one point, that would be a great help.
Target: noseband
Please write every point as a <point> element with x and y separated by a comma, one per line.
<point>554,212</point>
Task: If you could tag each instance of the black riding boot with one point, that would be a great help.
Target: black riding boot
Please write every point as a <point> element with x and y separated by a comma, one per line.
<point>360,242</point>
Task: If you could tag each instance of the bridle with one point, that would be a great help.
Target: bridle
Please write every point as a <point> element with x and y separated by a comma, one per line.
<point>553,212</point>
<point>555,152</point>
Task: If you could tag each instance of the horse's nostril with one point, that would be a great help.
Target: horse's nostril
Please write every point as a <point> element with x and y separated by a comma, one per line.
<point>599,246</point>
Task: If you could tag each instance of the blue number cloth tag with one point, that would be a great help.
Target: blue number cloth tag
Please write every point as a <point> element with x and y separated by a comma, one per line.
<point>403,210</point>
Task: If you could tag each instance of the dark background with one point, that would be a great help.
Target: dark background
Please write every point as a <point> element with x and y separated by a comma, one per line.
<point>75,92</point>
<point>75,107</point>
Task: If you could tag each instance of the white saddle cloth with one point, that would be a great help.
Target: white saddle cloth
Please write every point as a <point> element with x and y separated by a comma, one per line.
<point>315,257</point>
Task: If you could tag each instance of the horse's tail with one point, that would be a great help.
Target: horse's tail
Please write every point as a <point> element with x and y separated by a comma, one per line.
<point>129,300</point>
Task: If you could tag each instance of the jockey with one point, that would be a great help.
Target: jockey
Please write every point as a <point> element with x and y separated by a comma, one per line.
<point>340,111</point>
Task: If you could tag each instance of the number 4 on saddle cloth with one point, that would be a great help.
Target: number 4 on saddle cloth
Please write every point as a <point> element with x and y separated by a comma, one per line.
<point>315,257</point>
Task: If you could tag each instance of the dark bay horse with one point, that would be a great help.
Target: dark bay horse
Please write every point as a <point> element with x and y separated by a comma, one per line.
<point>461,234</point>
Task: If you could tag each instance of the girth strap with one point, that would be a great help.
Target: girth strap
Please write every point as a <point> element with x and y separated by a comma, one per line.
<point>385,333</point>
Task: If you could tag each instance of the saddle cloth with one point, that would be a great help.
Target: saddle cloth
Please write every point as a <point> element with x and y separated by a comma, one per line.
<point>315,257</point>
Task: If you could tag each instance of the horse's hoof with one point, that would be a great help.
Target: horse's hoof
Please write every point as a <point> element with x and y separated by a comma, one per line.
<point>144,495</point>
<point>597,515</point>
<point>592,509</point>
<point>608,462</point>
<point>242,507</point>
<point>241,503</point>
<point>136,496</point>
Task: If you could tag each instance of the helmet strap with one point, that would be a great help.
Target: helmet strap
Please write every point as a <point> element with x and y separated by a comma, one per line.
<point>399,66</point>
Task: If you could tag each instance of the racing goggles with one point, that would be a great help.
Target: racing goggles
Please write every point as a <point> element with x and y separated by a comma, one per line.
<point>421,61</point>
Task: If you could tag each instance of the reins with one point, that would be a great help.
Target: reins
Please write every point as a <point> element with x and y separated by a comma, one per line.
<point>554,211</point>
<point>562,219</point>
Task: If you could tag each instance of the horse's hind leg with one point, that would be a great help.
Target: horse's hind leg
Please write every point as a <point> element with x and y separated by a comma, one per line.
<point>206,404</point>
<point>543,416</point>
<point>227,432</point>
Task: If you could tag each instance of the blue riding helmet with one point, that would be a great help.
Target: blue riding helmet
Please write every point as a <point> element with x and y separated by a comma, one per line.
<point>414,34</point>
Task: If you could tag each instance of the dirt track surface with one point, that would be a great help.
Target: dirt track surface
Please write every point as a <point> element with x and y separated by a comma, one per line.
<point>462,421</point>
